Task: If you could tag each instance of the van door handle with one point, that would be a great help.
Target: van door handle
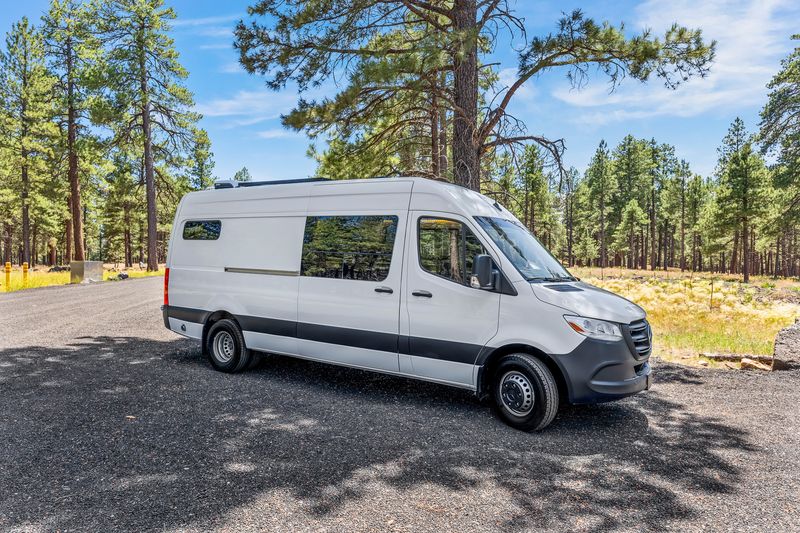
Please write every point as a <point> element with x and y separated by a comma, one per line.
<point>423,294</point>
<point>387,290</point>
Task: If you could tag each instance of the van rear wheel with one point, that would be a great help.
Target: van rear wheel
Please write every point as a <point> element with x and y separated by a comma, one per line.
<point>225,347</point>
<point>525,392</point>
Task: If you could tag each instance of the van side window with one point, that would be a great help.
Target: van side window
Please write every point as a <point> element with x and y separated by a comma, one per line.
<point>447,248</point>
<point>348,247</point>
<point>201,230</point>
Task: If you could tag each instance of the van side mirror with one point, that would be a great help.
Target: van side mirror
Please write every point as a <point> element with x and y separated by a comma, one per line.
<point>482,272</point>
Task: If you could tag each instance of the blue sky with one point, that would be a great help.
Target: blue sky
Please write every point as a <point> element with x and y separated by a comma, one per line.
<point>243,117</point>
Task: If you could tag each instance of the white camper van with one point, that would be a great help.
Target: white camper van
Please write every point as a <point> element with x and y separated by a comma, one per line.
<point>406,276</point>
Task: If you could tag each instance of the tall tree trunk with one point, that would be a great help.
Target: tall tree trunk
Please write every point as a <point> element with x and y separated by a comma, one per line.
<point>643,258</point>
<point>7,242</point>
<point>602,232</point>
<point>443,134</point>
<point>435,155</point>
<point>466,152</point>
<point>149,177</point>
<point>745,251</point>
<point>735,252</point>
<point>570,225</point>
<point>683,230</point>
<point>69,236</point>
<point>655,249</point>
<point>34,245</point>
<point>127,237</point>
<point>72,156</point>
<point>26,219</point>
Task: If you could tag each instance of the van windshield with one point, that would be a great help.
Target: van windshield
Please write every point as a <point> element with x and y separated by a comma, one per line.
<point>527,254</point>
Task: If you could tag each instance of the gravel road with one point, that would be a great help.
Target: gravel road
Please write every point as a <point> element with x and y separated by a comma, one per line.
<point>109,422</point>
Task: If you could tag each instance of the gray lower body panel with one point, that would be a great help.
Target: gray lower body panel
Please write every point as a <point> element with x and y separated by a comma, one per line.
<point>601,371</point>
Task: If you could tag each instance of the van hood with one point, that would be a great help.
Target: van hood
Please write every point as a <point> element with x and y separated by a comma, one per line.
<point>589,301</point>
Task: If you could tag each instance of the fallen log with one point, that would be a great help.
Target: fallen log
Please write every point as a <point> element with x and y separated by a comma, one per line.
<point>752,364</point>
<point>736,357</point>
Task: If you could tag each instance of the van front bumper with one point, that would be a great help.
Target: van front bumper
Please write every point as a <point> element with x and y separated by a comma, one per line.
<point>601,371</point>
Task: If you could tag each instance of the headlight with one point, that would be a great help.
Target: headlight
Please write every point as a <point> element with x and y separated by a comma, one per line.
<point>596,329</point>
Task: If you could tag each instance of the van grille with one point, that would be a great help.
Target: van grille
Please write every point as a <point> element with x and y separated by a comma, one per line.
<point>639,337</point>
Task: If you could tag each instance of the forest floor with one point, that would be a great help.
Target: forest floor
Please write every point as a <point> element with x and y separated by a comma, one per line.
<point>110,422</point>
<point>701,313</point>
<point>40,276</point>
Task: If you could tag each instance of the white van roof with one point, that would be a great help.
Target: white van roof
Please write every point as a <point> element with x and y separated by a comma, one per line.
<point>300,196</point>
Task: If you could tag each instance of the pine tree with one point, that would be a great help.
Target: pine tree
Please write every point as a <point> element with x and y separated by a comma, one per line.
<point>25,123</point>
<point>742,186</point>
<point>201,161</point>
<point>780,129</point>
<point>150,104</point>
<point>243,174</point>
<point>70,51</point>
<point>310,42</point>
<point>602,185</point>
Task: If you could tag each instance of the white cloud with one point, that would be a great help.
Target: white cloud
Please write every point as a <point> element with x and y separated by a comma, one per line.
<point>216,46</point>
<point>215,31</point>
<point>752,36</point>
<point>277,133</point>
<point>232,67</point>
<point>205,21</point>
<point>249,107</point>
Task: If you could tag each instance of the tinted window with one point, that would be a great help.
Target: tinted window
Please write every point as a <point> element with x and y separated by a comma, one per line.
<point>447,248</point>
<point>202,230</point>
<point>352,247</point>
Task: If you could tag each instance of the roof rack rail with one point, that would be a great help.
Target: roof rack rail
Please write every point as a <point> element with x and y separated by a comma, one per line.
<point>232,184</point>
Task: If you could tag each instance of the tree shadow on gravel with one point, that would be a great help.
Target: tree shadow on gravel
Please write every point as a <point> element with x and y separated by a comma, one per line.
<point>137,434</point>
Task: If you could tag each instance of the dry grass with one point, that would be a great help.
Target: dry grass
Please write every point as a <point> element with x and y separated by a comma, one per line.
<point>695,314</point>
<point>43,278</point>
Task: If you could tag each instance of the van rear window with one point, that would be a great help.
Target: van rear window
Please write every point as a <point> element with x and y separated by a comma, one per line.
<point>201,230</point>
<point>349,247</point>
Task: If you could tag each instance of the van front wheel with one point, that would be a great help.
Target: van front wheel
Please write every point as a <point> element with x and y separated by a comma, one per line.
<point>225,347</point>
<point>525,392</point>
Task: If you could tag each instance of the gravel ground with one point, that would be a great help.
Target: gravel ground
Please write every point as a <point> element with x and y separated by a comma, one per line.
<point>110,422</point>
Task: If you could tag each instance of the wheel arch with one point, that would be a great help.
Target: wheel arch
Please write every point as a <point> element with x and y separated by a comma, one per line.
<point>216,316</point>
<point>493,358</point>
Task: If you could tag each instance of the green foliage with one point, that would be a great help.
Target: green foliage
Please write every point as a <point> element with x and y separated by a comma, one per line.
<point>242,175</point>
<point>25,122</point>
<point>413,66</point>
<point>780,129</point>
<point>200,164</point>
<point>73,97</point>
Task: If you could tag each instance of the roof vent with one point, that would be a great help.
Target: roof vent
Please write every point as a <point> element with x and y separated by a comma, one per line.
<point>225,184</point>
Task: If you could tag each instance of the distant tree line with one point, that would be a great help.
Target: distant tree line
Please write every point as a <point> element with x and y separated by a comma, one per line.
<point>98,140</point>
<point>638,206</point>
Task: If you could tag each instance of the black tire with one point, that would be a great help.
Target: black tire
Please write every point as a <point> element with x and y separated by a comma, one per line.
<point>225,347</point>
<point>525,393</point>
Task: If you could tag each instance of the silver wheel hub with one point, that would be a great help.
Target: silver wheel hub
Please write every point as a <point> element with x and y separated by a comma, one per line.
<point>224,347</point>
<point>516,393</point>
